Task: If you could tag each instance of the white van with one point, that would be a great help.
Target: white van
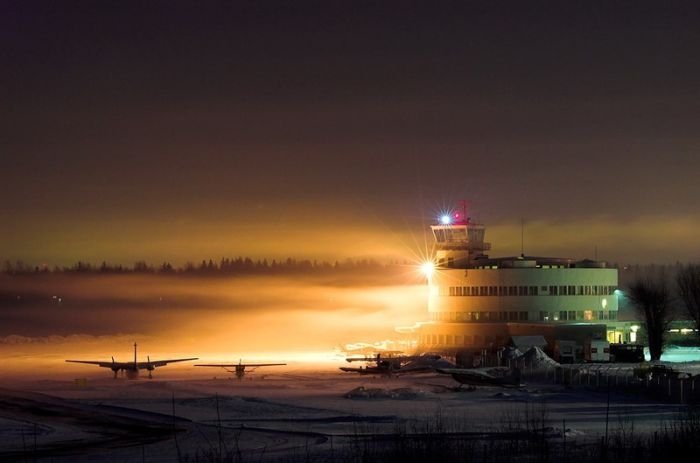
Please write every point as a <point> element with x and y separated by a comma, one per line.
<point>596,351</point>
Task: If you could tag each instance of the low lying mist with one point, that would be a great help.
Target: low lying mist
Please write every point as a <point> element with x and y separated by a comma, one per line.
<point>224,319</point>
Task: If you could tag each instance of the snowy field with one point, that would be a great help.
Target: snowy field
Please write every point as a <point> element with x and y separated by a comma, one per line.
<point>677,354</point>
<point>286,412</point>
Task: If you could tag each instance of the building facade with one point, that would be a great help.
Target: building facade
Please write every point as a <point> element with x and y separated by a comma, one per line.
<point>478,302</point>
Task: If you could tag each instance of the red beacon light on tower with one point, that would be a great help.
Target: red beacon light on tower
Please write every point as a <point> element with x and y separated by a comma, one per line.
<point>451,218</point>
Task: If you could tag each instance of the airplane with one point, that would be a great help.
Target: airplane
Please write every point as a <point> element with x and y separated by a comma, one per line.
<point>497,376</point>
<point>393,366</point>
<point>131,369</point>
<point>239,368</point>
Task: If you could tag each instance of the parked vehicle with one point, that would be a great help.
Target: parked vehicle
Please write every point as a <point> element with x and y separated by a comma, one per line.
<point>626,353</point>
<point>565,351</point>
<point>596,351</point>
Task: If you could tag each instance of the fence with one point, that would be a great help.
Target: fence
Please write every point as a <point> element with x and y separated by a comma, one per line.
<point>623,379</point>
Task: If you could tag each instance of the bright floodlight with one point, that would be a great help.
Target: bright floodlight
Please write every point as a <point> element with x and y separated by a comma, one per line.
<point>445,219</point>
<point>428,268</point>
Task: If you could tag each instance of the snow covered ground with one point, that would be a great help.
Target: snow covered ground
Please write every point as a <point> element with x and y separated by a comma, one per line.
<point>274,414</point>
<point>677,354</point>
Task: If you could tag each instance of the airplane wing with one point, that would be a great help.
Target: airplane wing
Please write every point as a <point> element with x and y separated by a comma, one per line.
<point>465,371</point>
<point>497,376</point>
<point>262,364</point>
<point>162,363</point>
<point>361,371</point>
<point>231,365</point>
<point>102,364</point>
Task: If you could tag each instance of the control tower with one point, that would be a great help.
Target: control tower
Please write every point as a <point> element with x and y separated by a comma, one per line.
<point>477,301</point>
<point>459,241</point>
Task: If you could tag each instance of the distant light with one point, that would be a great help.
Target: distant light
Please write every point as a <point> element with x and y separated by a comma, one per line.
<point>619,293</point>
<point>604,303</point>
<point>445,219</point>
<point>428,268</point>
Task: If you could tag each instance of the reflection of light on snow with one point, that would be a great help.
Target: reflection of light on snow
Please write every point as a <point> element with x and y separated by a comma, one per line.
<point>676,354</point>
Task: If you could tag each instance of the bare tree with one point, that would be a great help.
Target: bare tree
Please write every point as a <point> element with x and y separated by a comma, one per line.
<point>652,299</point>
<point>688,283</point>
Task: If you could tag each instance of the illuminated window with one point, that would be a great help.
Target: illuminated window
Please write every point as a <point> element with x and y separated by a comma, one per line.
<point>588,315</point>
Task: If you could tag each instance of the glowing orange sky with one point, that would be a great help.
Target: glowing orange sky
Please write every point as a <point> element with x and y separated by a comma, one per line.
<point>662,239</point>
<point>273,129</point>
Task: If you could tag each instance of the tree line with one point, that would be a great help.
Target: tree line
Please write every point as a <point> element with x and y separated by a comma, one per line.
<point>224,266</point>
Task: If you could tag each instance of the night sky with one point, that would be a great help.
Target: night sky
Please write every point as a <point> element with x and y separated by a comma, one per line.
<point>189,130</point>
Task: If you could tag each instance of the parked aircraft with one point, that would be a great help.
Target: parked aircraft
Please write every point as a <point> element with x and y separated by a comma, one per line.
<point>131,369</point>
<point>396,365</point>
<point>496,376</point>
<point>240,368</point>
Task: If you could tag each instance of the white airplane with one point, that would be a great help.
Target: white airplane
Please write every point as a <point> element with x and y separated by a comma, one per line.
<point>496,376</point>
<point>131,369</point>
<point>239,368</point>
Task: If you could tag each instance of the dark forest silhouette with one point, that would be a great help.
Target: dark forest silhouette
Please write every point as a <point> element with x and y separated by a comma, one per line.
<point>224,266</point>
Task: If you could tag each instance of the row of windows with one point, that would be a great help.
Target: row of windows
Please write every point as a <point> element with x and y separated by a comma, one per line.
<point>553,290</point>
<point>458,340</point>
<point>502,316</point>
<point>523,315</point>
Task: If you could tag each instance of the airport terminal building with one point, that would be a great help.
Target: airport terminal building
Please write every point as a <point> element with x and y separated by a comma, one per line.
<point>478,302</point>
